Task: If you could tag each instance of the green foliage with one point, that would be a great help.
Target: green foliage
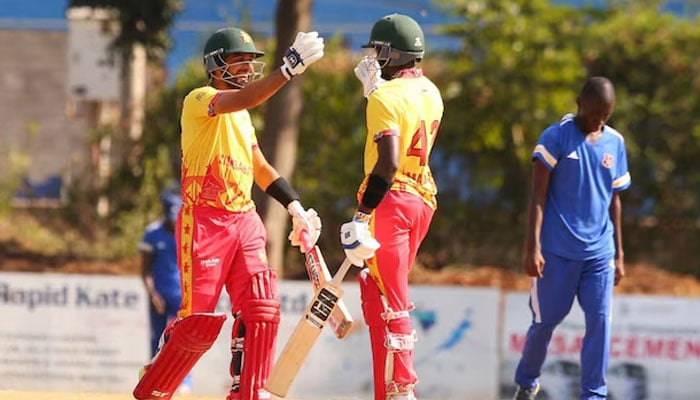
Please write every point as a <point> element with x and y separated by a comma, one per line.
<point>518,70</point>
<point>653,59</point>
<point>161,135</point>
<point>332,136</point>
<point>14,166</point>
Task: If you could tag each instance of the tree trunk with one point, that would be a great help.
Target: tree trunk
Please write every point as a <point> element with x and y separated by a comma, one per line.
<point>279,139</point>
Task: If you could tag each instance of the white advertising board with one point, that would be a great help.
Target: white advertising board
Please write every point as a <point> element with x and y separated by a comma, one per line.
<point>90,334</point>
<point>71,332</point>
<point>456,353</point>
<point>655,348</point>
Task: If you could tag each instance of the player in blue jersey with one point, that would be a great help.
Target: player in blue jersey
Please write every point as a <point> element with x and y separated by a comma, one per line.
<point>160,273</point>
<point>574,236</point>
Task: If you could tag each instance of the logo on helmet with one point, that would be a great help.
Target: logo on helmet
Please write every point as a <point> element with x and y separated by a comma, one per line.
<point>245,37</point>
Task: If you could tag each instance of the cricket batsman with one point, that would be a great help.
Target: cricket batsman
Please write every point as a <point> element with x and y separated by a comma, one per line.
<point>396,196</point>
<point>220,237</point>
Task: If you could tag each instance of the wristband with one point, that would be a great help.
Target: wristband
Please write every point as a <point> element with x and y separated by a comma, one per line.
<point>280,190</point>
<point>375,191</point>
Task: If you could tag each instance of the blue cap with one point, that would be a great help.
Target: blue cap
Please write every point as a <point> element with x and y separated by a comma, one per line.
<point>171,203</point>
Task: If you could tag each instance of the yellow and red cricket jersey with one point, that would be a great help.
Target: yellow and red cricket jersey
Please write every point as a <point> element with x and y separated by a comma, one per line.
<point>217,154</point>
<point>410,106</point>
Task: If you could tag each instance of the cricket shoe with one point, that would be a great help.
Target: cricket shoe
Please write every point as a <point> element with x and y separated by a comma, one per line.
<point>526,393</point>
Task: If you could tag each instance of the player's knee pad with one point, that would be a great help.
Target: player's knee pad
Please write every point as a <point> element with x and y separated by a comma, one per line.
<point>260,315</point>
<point>391,335</point>
<point>184,342</point>
<point>400,377</point>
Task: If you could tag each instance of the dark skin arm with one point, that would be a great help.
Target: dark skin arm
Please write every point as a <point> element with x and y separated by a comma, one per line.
<point>147,276</point>
<point>616,216</point>
<point>387,162</point>
<point>533,263</point>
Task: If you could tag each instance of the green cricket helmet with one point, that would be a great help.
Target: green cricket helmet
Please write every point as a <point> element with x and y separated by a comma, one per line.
<point>228,41</point>
<point>398,40</point>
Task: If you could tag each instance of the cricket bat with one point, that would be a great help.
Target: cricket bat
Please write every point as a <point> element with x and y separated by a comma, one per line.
<point>340,319</point>
<point>306,333</point>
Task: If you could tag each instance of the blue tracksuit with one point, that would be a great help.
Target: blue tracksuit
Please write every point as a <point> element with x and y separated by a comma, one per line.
<point>578,248</point>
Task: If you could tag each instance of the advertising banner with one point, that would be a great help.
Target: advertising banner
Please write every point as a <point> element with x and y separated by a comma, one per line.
<point>655,349</point>
<point>456,353</point>
<point>71,333</point>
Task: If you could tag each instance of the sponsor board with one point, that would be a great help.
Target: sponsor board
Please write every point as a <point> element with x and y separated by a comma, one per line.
<point>654,353</point>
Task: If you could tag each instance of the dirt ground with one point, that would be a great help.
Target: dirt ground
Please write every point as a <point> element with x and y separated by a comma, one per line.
<point>640,278</point>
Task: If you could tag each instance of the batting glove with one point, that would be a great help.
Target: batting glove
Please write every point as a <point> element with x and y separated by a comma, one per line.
<point>370,74</point>
<point>358,243</point>
<point>303,221</point>
<point>306,50</point>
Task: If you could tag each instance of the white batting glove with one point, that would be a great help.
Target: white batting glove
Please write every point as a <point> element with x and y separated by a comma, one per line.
<point>306,50</point>
<point>370,74</point>
<point>303,221</point>
<point>358,243</point>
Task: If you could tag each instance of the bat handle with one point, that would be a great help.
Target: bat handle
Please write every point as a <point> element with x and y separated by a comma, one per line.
<point>344,268</point>
<point>305,241</point>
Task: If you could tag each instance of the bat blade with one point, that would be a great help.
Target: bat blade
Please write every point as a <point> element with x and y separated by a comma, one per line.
<point>340,319</point>
<point>305,334</point>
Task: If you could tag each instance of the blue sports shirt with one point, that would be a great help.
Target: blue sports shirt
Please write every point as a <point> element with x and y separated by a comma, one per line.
<point>166,276</point>
<point>584,176</point>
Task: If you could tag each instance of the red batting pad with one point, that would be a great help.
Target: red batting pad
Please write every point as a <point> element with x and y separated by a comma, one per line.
<point>189,338</point>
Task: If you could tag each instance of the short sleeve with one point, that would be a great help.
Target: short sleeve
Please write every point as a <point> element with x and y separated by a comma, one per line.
<point>548,148</point>
<point>622,180</point>
<point>381,117</point>
<point>147,243</point>
<point>200,103</point>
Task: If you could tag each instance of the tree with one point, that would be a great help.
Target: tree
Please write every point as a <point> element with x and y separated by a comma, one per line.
<point>329,161</point>
<point>142,25</point>
<point>518,70</point>
<point>653,60</point>
<point>281,132</point>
